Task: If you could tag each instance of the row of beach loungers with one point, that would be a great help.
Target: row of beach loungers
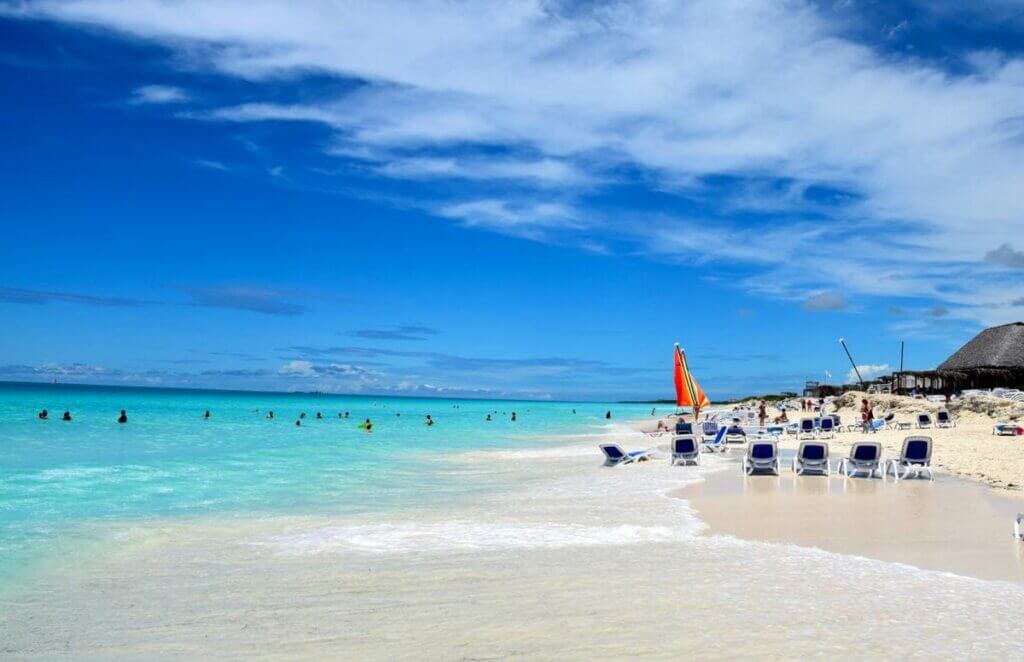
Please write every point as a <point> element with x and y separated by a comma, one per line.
<point>812,457</point>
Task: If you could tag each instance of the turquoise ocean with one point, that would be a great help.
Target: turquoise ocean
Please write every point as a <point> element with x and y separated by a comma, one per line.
<point>59,479</point>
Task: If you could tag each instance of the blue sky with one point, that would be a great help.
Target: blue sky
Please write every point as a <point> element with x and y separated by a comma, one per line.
<point>514,199</point>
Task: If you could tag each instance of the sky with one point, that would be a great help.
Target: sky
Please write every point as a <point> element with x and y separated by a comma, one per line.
<point>528,199</point>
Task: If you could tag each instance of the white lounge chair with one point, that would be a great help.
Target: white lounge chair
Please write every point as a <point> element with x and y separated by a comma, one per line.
<point>924,421</point>
<point>827,429</point>
<point>762,456</point>
<point>811,457</point>
<point>944,420</point>
<point>806,430</point>
<point>614,455</point>
<point>685,450</point>
<point>864,456</point>
<point>915,457</point>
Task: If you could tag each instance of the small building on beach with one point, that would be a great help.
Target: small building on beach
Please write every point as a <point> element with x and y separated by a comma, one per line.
<point>992,359</point>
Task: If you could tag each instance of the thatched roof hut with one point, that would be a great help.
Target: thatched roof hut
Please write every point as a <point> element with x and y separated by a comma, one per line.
<point>997,347</point>
<point>993,358</point>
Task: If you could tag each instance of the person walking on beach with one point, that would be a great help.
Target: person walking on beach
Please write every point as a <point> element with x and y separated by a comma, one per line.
<point>123,418</point>
<point>866,415</point>
<point>762,413</point>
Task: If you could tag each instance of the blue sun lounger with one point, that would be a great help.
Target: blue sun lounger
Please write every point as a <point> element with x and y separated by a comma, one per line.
<point>944,420</point>
<point>827,428</point>
<point>761,457</point>
<point>614,455</point>
<point>806,430</point>
<point>682,427</point>
<point>685,450</point>
<point>924,420</point>
<point>717,444</point>
<point>811,457</point>
<point>915,458</point>
<point>864,456</point>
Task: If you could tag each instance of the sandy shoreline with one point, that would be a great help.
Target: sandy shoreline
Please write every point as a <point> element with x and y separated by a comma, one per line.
<point>567,560</point>
<point>960,523</point>
<point>949,524</point>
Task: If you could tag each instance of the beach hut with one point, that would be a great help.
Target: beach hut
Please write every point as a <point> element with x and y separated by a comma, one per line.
<point>992,359</point>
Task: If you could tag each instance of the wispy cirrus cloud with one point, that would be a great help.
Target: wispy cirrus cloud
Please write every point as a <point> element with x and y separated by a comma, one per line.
<point>253,299</point>
<point>21,295</point>
<point>408,332</point>
<point>159,94</point>
<point>879,173</point>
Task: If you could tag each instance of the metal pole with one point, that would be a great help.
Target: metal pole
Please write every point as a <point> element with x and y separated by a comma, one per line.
<point>901,368</point>
<point>842,341</point>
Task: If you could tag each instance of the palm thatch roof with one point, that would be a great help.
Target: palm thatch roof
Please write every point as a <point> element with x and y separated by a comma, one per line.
<point>997,347</point>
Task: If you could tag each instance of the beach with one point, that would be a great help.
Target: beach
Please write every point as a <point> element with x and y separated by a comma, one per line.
<point>550,555</point>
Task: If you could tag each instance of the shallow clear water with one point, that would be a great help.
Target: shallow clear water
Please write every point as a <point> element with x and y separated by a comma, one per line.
<point>167,461</point>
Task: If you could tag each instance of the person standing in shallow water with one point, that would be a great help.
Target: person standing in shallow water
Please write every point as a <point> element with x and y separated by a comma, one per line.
<point>513,417</point>
<point>430,421</point>
<point>368,425</point>
<point>66,416</point>
<point>206,416</point>
<point>123,418</point>
<point>608,415</point>
<point>43,415</point>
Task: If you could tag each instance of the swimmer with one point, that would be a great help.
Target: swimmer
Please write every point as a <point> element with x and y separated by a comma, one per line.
<point>368,425</point>
<point>43,415</point>
<point>123,418</point>
<point>513,417</point>
<point>206,416</point>
<point>298,423</point>
<point>270,415</point>
<point>66,416</point>
<point>607,415</point>
<point>319,417</point>
<point>430,421</point>
<point>488,419</point>
<point>302,415</point>
<point>346,414</point>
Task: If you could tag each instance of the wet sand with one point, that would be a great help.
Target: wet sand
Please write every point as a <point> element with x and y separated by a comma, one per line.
<point>948,524</point>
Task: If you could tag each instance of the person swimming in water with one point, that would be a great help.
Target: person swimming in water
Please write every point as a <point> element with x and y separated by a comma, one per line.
<point>319,417</point>
<point>66,416</point>
<point>298,423</point>
<point>346,414</point>
<point>206,416</point>
<point>302,415</point>
<point>607,415</point>
<point>513,416</point>
<point>123,418</point>
<point>430,421</point>
<point>43,415</point>
<point>368,425</point>
<point>488,419</point>
<point>270,415</point>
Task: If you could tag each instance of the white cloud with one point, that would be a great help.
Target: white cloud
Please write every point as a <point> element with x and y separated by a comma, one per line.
<point>751,89</point>
<point>298,368</point>
<point>159,94</point>
<point>867,372</point>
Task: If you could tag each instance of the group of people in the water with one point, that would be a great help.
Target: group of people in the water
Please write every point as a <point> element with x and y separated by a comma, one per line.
<point>366,425</point>
<point>44,415</point>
